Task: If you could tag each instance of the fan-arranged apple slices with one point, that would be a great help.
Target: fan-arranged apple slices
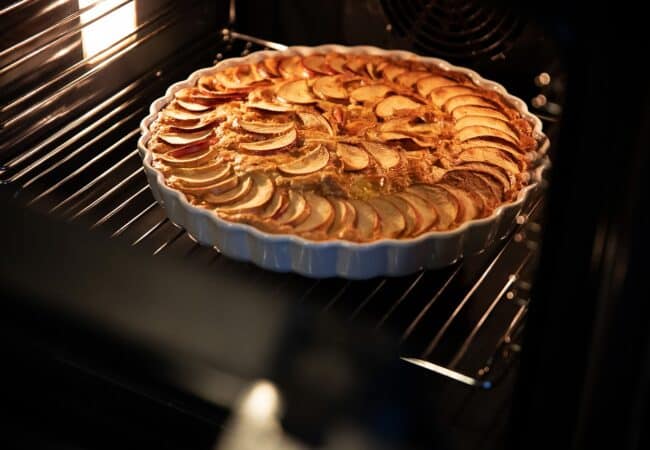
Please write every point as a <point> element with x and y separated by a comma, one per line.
<point>391,221</point>
<point>297,209</point>
<point>269,106</point>
<point>312,162</point>
<point>259,194</point>
<point>321,214</point>
<point>223,195</point>
<point>278,203</point>
<point>474,99</point>
<point>329,88</point>
<point>353,157</point>
<point>317,64</point>
<point>367,220</point>
<point>467,205</point>
<point>493,156</point>
<point>477,111</point>
<point>297,91</point>
<point>427,84</point>
<point>369,94</point>
<point>426,213</point>
<point>345,217</point>
<point>393,104</point>
<point>190,155</point>
<point>439,96</point>
<point>386,156</point>
<point>446,205</point>
<point>266,127</point>
<point>488,122</point>
<point>202,177</point>
<point>272,144</point>
<point>315,121</point>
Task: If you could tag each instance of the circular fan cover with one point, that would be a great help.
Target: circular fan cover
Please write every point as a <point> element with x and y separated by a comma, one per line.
<point>459,30</point>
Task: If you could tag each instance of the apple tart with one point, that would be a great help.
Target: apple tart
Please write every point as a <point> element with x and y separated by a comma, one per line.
<point>340,146</point>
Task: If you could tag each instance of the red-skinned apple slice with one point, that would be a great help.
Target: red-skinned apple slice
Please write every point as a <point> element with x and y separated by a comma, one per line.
<point>446,205</point>
<point>270,107</point>
<point>386,156</point>
<point>467,100</point>
<point>425,211</point>
<point>297,91</point>
<point>480,111</point>
<point>224,197</point>
<point>344,218</point>
<point>391,221</point>
<point>193,107</point>
<point>266,127</point>
<point>192,126</point>
<point>180,138</point>
<point>411,218</point>
<point>389,106</point>
<point>369,94</point>
<point>272,144</point>
<point>312,162</point>
<point>275,206</point>
<point>353,157</point>
<point>321,214</point>
<point>259,195</point>
<point>297,211</point>
<point>475,131</point>
<point>315,121</point>
<point>317,64</point>
<point>408,79</point>
<point>439,96</point>
<point>201,178</point>
<point>329,88</point>
<point>490,122</point>
<point>427,84</point>
<point>491,155</point>
<point>189,155</point>
<point>336,62</point>
<point>367,223</point>
<point>216,188</point>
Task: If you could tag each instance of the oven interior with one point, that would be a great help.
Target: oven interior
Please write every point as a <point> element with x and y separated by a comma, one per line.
<point>78,76</point>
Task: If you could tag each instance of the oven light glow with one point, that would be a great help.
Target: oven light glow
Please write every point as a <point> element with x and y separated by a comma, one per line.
<point>104,32</point>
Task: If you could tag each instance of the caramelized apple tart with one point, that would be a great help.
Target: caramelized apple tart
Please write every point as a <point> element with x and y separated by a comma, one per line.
<point>343,146</point>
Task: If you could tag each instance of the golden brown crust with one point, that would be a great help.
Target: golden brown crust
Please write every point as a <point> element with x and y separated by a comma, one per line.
<point>327,146</point>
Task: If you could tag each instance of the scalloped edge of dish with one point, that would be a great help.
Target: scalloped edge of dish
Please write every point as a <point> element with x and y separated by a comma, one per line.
<point>323,259</point>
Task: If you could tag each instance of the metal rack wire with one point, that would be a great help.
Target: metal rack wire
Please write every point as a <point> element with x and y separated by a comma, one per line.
<point>462,322</point>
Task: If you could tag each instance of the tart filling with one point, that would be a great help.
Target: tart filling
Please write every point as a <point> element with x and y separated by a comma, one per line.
<point>337,146</point>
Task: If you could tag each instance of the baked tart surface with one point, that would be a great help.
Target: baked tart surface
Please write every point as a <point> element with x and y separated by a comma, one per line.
<point>342,146</point>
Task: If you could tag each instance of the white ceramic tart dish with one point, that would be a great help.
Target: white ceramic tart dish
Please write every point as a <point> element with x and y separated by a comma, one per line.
<point>354,162</point>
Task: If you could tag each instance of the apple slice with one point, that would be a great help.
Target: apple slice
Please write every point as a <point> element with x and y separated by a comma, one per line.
<point>259,194</point>
<point>411,218</point>
<point>266,127</point>
<point>507,147</point>
<point>181,138</point>
<point>291,67</point>
<point>353,157</point>
<point>344,218</point>
<point>276,205</point>
<point>391,221</point>
<point>202,178</point>
<point>446,205</point>
<point>209,167</point>
<point>271,66</point>
<point>467,208</point>
<point>336,62</point>
<point>268,145</point>
<point>504,177</point>
<point>391,71</point>
<point>270,107</point>
<point>329,88</point>
<point>427,84</point>
<point>312,162</point>
<point>193,107</point>
<point>426,212</point>
<point>467,100</point>
<point>311,120</point>
<point>491,155</point>
<point>182,116</point>
<point>439,96</point>
<point>321,214</point>
<point>192,126</point>
<point>480,111</point>
<point>392,136</point>
<point>473,132</point>
<point>389,106</point>
<point>474,184</point>
<point>218,187</point>
<point>369,94</point>
<point>367,224</point>
<point>465,182</point>
<point>317,64</point>
<point>409,78</point>
<point>297,91</point>
<point>357,64</point>
<point>189,155</point>
<point>386,156</point>
<point>297,211</point>
<point>224,197</point>
<point>489,122</point>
